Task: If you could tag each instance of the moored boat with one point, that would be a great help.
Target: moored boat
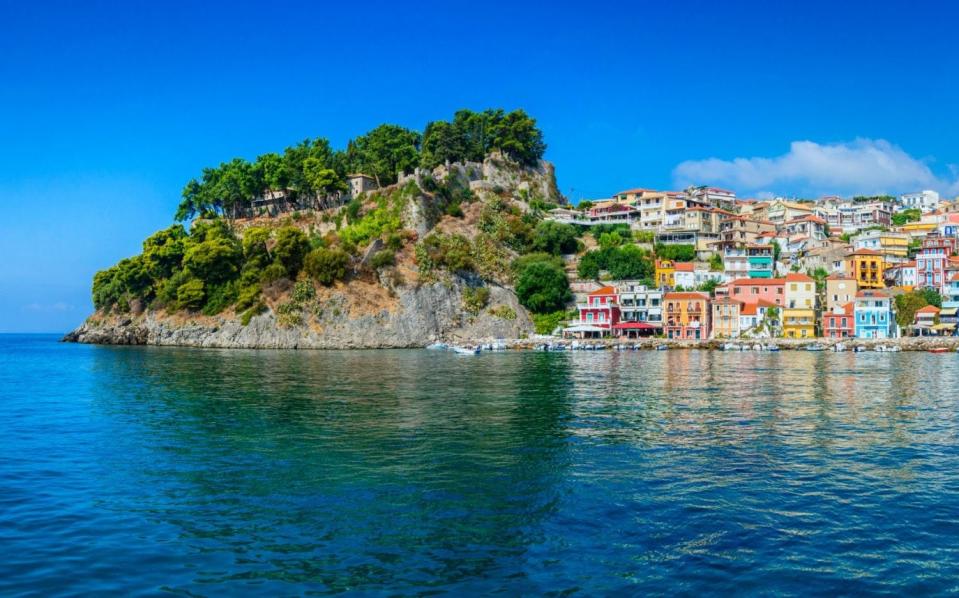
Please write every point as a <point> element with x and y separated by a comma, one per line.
<point>938,350</point>
<point>467,350</point>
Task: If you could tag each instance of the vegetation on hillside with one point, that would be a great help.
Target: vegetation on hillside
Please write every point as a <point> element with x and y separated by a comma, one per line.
<point>313,169</point>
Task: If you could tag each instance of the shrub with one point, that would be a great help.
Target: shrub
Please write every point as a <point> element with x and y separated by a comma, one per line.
<point>327,265</point>
<point>475,299</point>
<point>254,310</point>
<point>554,237</point>
<point>542,287</point>
<point>548,322</point>
<point>273,273</point>
<point>289,314</point>
<point>291,247</point>
<point>382,259</point>
<point>303,292</point>
<point>214,261</point>
<point>221,297</point>
<point>504,312</point>
<point>679,253</point>
<point>248,297</point>
<point>190,295</point>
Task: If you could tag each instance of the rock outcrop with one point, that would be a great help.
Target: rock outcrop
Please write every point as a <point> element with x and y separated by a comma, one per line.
<point>417,317</point>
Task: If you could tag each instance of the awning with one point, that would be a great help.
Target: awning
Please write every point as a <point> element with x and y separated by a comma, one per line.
<point>636,326</point>
<point>948,311</point>
<point>584,328</point>
<point>944,327</point>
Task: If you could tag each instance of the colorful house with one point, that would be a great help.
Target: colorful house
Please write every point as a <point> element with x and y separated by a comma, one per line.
<point>866,267</point>
<point>753,320</point>
<point>799,310</point>
<point>839,322</point>
<point>725,317</point>
<point>926,321</point>
<point>684,275</point>
<point>665,274</point>
<point>686,315</point>
<point>641,310</point>
<point>600,312</point>
<point>750,290</point>
<point>874,315</point>
<point>760,258</point>
<point>841,289</point>
<point>933,260</point>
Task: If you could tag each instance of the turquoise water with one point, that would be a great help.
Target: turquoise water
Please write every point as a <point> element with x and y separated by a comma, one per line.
<point>206,472</point>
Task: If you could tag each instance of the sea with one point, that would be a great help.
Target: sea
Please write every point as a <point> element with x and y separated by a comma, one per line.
<point>204,472</point>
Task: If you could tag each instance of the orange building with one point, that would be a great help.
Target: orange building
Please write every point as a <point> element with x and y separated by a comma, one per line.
<point>686,315</point>
<point>866,267</point>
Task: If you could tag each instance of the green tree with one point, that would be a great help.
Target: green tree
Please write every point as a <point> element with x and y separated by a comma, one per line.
<point>907,304</point>
<point>385,152</point>
<point>906,216</point>
<point>716,263</point>
<point>679,253</point>
<point>327,265</point>
<point>214,261</point>
<point>629,262</point>
<point>322,179</point>
<point>590,265</point>
<point>291,247</point>
<point>554,237</point>
<point>163,251</point>
<point>542,287</point>
<point>190,295</point>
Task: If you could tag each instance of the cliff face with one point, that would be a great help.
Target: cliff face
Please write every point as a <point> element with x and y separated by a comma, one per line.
<point>389,308</point>
<point>415,317</point>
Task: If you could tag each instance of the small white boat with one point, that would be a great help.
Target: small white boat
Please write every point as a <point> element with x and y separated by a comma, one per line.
<point>437,347</point>
<point>815,347</point>
<point>772,348</point>
<point>467,350</point>
<point>662,348</point>
<point>859,349</point>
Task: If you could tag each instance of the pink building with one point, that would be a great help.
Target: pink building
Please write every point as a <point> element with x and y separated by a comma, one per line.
<point>751,290</point>
<point>601,309</point>
<point>840,322</point>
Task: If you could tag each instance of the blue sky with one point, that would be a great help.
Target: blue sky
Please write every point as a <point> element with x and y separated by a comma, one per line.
<point>109,108</point>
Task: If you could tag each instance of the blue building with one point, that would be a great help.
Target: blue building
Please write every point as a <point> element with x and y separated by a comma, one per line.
<point>873,314</point>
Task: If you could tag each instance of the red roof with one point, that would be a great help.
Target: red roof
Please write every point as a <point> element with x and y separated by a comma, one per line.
<point>865,252</point>
<point>798,277</point>
<point>929,309</point>
<point>751,308</point>
<point>607,290</point>
<point>684,266</point>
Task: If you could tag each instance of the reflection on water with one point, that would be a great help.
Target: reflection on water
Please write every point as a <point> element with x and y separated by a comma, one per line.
<point>273,472</point>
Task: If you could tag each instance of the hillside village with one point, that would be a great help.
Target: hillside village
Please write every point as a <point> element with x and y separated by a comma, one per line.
<point>863,267</point>
<point>460,233</point>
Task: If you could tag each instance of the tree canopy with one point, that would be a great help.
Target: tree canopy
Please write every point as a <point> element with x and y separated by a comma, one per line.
<point>312,168</point>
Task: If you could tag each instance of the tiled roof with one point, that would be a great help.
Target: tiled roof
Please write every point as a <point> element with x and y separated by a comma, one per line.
<point>684,266</point>
<point>607,290</point>
<point>798,277</point>
<point>929,309</point>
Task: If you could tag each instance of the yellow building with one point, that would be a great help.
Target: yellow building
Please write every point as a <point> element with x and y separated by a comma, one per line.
<point>665,273</point>
<point>799,308</point>
<point>866,267</point>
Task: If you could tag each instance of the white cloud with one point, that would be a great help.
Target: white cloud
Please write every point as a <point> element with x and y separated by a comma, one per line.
<point>863,166</point>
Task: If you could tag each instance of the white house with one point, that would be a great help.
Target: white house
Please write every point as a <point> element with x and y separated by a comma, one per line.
<point>925,201</point>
